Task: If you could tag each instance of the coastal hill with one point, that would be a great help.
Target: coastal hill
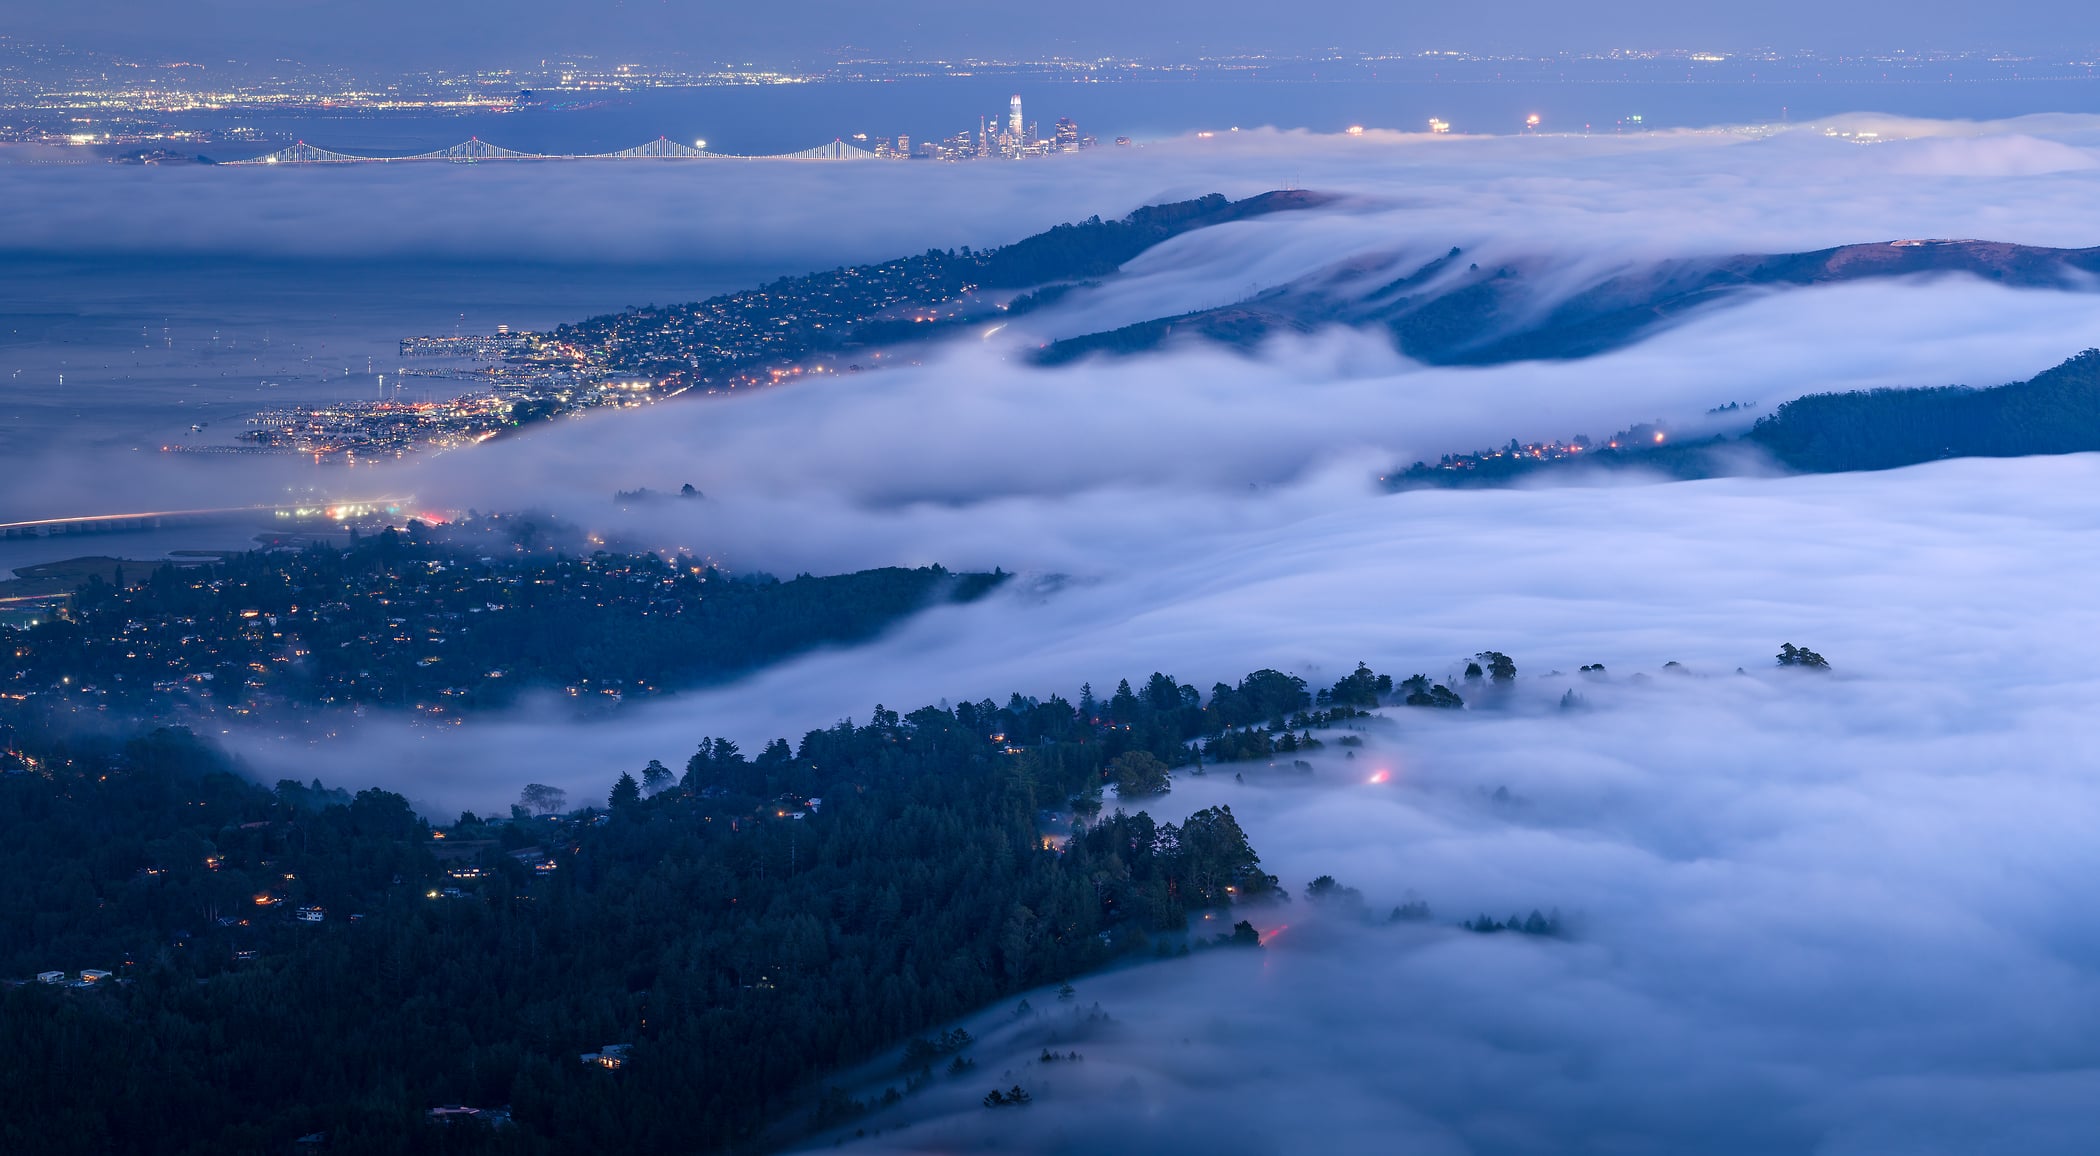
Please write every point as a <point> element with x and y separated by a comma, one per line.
<point>834,320</point>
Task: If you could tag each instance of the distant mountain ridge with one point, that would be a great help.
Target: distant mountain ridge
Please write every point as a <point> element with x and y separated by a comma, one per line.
<point>1452,312</point>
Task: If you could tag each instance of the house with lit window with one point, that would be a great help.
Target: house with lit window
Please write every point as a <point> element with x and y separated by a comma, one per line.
<point>609,1056</point>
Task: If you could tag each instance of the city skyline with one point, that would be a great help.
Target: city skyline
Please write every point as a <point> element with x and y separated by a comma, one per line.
<point>96,97</point>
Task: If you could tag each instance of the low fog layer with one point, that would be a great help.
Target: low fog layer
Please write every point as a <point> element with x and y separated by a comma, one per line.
<point>1979,559</point>
<point>1660,194</point>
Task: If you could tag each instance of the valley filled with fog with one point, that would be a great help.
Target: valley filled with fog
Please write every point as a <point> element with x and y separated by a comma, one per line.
<point>1805,911</point>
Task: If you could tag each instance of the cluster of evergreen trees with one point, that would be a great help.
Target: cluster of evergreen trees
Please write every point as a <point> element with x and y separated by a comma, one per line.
<point>754,924</point>
<point>1536,923</point>
<point>1801,656</point>
<point>305,960</point>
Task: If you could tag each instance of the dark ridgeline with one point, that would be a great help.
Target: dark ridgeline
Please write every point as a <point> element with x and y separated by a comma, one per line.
<point>2055,412</point>
<point>400,620</point>
<point>819,321</point>
<point>1451,311</point>
<point>1096,248</point>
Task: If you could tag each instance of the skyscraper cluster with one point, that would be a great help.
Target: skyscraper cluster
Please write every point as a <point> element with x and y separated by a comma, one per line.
<point>1011,136</point>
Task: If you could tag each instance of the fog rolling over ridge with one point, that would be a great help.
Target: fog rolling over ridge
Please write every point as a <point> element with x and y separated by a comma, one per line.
<point>1791,932</point>
<point>1838,912</point>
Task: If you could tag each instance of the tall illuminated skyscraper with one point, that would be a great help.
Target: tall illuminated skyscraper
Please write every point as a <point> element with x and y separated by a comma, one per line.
<point>1013,117</point>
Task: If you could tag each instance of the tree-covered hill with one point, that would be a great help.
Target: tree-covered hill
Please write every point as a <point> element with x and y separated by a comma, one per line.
<point>303,961</point>
<point>192,963</point>
<point>2055,412</point>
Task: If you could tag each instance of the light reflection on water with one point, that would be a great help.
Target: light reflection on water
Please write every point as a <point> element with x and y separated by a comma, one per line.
<point>113,354</point>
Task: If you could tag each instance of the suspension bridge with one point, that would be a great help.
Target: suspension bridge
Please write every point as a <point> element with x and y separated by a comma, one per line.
<point>476,150</point>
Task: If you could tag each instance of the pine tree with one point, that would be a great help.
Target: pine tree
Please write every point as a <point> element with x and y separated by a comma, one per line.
<point>655,777</point>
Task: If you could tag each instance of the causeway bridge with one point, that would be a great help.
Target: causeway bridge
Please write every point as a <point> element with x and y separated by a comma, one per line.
<point>297,514</point>
<point>475,150</point>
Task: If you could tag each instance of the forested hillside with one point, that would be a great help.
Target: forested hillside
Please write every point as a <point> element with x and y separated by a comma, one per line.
<point>2055,412</point>
<point>305,961</point>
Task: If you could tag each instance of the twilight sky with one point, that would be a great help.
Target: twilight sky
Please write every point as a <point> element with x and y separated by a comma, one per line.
<point>390,32</point>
